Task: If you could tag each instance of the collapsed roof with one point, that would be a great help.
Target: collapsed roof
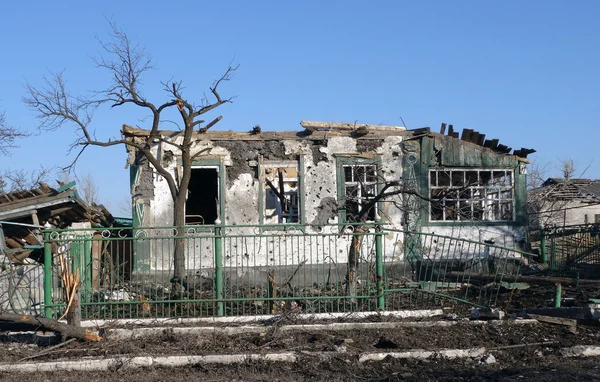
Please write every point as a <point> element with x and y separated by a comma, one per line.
<point>23,213</point>
<point>317,130</point>
<point>579,189</point>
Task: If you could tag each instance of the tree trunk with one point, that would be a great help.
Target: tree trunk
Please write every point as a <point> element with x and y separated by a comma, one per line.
<point>67,331</point>
<point>74,314</point>
<point>353,260</point>
<point>179,253</point>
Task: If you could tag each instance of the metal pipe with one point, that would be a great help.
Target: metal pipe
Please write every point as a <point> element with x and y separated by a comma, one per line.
<point>543,246</point>
<point>22,224</point>
<point>379,268</point>
<point>219,270</point>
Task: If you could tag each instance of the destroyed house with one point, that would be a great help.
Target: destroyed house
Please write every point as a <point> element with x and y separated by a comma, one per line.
<point>332,174</point>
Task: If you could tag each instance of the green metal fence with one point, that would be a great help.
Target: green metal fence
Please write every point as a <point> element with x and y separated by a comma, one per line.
<point>254,270</point>
<point>571,250</point>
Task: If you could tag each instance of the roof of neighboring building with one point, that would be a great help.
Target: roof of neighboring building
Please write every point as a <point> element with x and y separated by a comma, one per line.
<point>572,189</point>
<point>59,207</point>
<point>23,213</point>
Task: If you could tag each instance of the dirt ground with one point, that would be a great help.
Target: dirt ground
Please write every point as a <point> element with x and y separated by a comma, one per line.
<point>522,352</point>
<point>341,369</point>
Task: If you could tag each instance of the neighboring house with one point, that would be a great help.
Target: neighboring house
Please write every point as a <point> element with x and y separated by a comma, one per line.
<point>563,202</point>
<point>465,187</point>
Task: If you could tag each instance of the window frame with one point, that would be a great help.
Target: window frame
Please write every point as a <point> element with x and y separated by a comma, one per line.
<point>485,210</point>
<point>262,188</point>
<point>343,161</point>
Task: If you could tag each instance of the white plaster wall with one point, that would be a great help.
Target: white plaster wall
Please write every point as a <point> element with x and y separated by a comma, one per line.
<point>249,246</point>
<point>241,201</point>
<point>573,213</point>
<point>457,248</point>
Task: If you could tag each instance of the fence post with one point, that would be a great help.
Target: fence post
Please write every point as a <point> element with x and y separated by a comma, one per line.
<point>219,267</point>
<point>379,267</point>
<point>47,276</point>
<point>543,245</point>
<point>553,253</point>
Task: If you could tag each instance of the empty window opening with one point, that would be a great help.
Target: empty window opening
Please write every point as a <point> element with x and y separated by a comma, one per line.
<point>202,202</point>
<point>360,187</point>
<point>466,195</point>
<point>282,204</point>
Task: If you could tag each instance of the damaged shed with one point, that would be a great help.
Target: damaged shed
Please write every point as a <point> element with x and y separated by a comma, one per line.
<point>23,216</point>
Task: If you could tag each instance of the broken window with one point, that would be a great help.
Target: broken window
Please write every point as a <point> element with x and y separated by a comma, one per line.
<point>466,195</point>
<point>281,186</point>
<point>360,187</point>
<point>202,204</point>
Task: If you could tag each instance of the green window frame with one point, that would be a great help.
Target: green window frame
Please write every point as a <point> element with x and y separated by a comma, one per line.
<point>358,181</point>
<point>292,214</point>
<point>219,165</point>
<point>471,195</point>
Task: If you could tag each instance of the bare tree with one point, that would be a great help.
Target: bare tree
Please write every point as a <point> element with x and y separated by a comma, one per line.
<point>124,206</point>
<point>19,180</point>
<point>8,135</point>
<point>86,185</point>
<point>89,189</point>
<point>127,62</point>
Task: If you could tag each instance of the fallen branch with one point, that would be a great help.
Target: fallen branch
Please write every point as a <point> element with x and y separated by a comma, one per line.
<point>67,331</point>
<point>48,350</point>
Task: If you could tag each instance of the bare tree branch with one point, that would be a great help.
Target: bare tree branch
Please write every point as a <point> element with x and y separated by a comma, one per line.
<point>89,189</point>
<point>127,62</point>
<point>19,180</point>
<point>8,135</point>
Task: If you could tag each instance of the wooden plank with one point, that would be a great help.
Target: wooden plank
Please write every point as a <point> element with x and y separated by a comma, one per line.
<point>420,131</point>
<point>65,187</point>
<point>319,125</point>
<point>455,134</point>
<point>553,320</point>
<point>443,129</point>
<point>450,131</point>
<point>12,243</point>
<point>481,139</point>
<point>31,239</point>
<point>466,134</point>
<point>474,137</point>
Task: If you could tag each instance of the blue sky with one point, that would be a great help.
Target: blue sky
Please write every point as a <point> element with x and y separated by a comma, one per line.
<point>526,72</point>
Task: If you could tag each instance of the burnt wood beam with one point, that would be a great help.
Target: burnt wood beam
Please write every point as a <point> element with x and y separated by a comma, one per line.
<point>466,134</point>
<point>491,143</point>
<point>501,148</point>
<point>474,137</point>
<point>481,139</point>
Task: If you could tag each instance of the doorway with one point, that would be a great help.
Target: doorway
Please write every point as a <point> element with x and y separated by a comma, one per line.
<point>201,206</point>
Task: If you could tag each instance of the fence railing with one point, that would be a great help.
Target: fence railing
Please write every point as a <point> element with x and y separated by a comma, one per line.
<point>254,270</point>
<point>571,250</point>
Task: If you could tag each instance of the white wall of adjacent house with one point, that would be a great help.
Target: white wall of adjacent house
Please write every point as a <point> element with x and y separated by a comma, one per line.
<point>560,214</point>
